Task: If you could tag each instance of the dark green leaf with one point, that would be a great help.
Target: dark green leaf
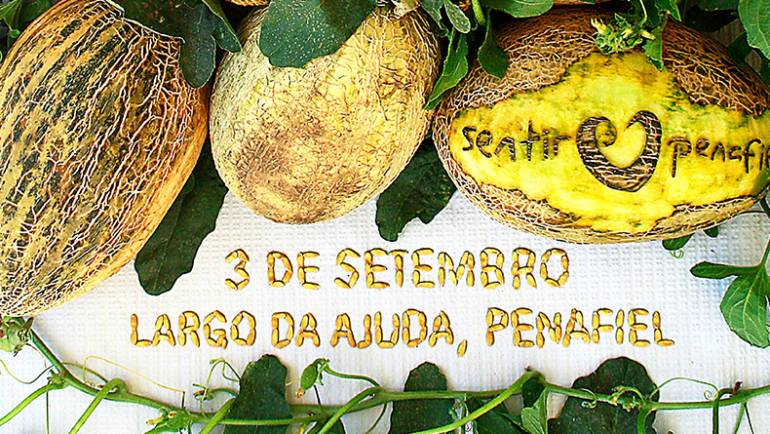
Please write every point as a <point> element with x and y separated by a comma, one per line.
<point>15,15</point>
<point>710,270</point>
<point>668,7</point>
<point>718,5</point>
<point>262,395</point>
<point>200,25</point>
<point>170,251</point>
<point>296,31</point>
<point>421,414</point>
<point>494,421</point>
<point>532,390</point>
<point>534,419</point>
<point>605,418</point>
<point>709,21</point>
<point>712,232</point>
<point>491,57</point>
<point>739,49</point>
<point>755,16</point>
<point>455,68</point>
<point>223,33</point>
<point>457,17</point>
<point>676,243</point>
<point>653,48</point>
<point>520,8</point>
<point>421,190</point>
<point>744,307</point>
<point>433,8</point>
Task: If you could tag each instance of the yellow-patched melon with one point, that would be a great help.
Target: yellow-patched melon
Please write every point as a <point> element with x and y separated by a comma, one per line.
<point>583,147</point>
<point>299,145</point>
<point>98,133</point>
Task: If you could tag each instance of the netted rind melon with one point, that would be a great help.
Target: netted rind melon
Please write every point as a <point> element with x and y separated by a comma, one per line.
<point>98,133</point>
<point>300,145</point>
<point>684,149</point>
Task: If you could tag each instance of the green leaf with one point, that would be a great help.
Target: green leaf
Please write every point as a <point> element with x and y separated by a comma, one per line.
<point>535,418</point>
<point>170,251</point>
<point>455,68</point>
<point>422,190</point>
<point>421,414</point>
<point>491,57</point>
<point>668,7</point>
<point>262,395</point>
<point>605,418</point>
<point>676,243</point>
<point>15,15</point>
<point>755,16</point>
<point>653,48</point>
<point>710,270</point>
<point>457,17</point>
<point>520,8</point>
<point>712,232</point>
<point>496,421</point>
<point>297,31</point>
<point>433,8</point>
<point>709,21</point>
<point>739,49</point>
<point>718,5</point>
<point>744,307</point>
<point>200,25</point>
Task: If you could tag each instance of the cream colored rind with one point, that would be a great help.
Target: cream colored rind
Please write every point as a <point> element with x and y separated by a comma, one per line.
<point>300,145</point>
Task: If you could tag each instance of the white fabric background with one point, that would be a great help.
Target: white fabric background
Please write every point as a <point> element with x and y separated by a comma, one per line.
<point>616,276</point>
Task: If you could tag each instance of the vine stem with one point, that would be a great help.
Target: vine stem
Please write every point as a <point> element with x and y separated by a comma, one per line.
<point>494,402</point>
<point>115,390</point>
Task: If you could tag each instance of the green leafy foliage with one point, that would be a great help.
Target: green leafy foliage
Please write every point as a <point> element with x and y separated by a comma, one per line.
<point>712,232</point>
<point>718,5</point>
<point>421,191</point>
<point>457,17</point>
<point>709,21</point>
<point>14,334</point>
<point>421,414</point>
<point>744,305</point>
<point>602,418</point>
<point>296,31</point>
<point>491,57</point>
<point>534,418</point>
<point>170,251</point>
<point>433,8</point>
<point>496,421</point>
<point>520,8</point>
<point>262,395</point>
<point>455,68</point>
<point>15,16</point>
<point>676,243</point>
<point>201,25</point>
<point>755,16</point>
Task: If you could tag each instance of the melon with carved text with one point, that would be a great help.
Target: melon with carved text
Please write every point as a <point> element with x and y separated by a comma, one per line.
<point>583,147</point>
<point>300,145</point>
<point>98,133</point>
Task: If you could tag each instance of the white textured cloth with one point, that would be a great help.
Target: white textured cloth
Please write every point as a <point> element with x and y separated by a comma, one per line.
<point>616,277</point>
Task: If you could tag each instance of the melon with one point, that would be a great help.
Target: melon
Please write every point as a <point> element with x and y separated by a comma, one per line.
<point>585,147</point>
<point>98,133</point>
<point>301,145</point>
